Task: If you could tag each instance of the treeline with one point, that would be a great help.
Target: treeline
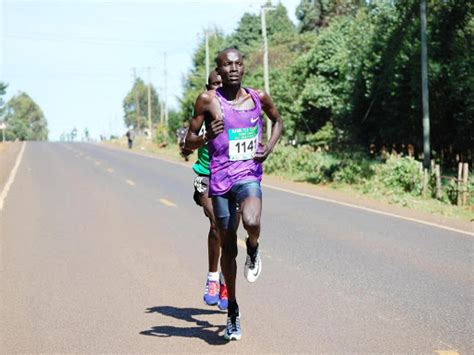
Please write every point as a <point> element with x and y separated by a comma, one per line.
<point>347,76</point>
<point>23,118</point>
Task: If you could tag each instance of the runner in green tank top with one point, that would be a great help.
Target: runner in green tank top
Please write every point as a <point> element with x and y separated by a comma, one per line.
<point>215,292</point>
<point>201,166</point>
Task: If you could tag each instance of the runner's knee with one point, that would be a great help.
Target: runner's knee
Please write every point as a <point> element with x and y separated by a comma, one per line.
<point>251,222</point>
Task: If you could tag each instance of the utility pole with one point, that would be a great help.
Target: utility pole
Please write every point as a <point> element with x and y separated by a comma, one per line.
<point>162,109</point>
<point>265,59</point>
<point>207,56</point>
<point>424,88</point>
<point>137,101</point>
<point>149,105</point>
<point>165,103</point>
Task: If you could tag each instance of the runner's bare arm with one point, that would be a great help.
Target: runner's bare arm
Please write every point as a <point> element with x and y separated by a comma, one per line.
<point>277,125</point>
<point>193,139</point>
<point>205,104</point>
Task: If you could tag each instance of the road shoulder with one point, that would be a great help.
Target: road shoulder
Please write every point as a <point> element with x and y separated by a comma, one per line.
<point>8,154</point>
<point>328,193</point>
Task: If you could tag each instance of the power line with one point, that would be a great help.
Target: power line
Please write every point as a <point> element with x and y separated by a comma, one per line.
<point>89,40</point>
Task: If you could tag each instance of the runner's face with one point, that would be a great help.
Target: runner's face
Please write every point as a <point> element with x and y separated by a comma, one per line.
<point>215,81</point>
<point>231,67</point>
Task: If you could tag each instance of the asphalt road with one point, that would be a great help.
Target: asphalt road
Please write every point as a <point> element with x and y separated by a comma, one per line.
<point>103,251</point>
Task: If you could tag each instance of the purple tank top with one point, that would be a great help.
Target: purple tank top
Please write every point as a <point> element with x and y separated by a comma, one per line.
<point>231,152</point>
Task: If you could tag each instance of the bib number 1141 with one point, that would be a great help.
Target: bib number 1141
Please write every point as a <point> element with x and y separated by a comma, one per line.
<point>242,143</point>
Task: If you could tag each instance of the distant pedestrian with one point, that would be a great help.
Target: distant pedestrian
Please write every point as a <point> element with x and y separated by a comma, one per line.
<point>130,136</point>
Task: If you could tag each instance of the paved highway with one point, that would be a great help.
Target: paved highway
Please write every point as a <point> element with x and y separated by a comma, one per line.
<point>104,251</point>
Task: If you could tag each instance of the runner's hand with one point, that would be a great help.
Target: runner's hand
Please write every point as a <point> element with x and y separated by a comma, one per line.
<point>185,152</point>
<point>215,128</point>
<point>262,153</point>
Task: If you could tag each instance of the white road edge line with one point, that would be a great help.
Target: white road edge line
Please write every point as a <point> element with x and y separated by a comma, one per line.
<point>435,225</point>
<point>371,210</point>
<point>11,178</point>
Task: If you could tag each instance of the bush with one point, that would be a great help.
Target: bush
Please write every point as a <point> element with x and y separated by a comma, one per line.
<point>161,136</point>
<point>401,174</point>
<point>301,163</point>
<point>354,168</point>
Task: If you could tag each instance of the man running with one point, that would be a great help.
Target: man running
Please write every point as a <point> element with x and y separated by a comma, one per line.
<point>233,117</point>
<point>215,291</point>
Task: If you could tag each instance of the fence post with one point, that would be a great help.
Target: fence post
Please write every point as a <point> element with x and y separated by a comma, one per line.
<point>459,189</point>
<point>465,174</point>
<point>438,181</point>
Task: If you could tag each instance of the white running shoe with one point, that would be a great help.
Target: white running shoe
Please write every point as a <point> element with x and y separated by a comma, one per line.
<point>253,266</point>
<point>232,330</point>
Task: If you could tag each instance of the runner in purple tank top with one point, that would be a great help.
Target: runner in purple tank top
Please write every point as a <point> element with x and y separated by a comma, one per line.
<point>233,118</point>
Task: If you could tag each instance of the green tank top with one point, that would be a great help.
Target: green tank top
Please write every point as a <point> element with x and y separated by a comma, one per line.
<point>201,166</point>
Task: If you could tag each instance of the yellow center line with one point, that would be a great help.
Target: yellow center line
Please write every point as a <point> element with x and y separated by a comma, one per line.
<point>167,202</point>
<point>97,162</point>
<point>241,243</point>
<point>446,352</point>
<point>110,170</point>
<point>130,182</point>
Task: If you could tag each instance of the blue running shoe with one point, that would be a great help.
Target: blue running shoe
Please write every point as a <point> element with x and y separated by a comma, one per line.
<point>211,293</point>
<point>223,302</point>
<point>232,330</point>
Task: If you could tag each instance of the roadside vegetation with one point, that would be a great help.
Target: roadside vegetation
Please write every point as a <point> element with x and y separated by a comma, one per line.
<point>346,80</point>
<point>23,117</point>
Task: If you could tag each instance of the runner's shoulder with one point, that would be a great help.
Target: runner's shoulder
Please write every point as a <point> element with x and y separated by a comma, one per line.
<point>261,94</point>
<point>264,97</point>
<point>207,97</point>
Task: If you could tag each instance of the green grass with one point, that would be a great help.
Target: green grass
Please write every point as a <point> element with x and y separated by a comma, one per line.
<point>142,145</point>
<point>426,205</point>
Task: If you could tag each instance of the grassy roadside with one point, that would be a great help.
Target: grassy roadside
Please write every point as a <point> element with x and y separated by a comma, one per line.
<point>430,206</point>
<point>357,190</point>
<point>143,145</point>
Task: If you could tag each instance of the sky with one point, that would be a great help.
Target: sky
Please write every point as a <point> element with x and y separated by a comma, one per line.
<point>75,59</point>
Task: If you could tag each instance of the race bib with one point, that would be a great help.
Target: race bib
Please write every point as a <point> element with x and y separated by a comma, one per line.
<point>242,143</point>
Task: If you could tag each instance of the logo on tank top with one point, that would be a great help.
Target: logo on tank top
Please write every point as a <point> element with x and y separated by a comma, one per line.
<point>255,119</point>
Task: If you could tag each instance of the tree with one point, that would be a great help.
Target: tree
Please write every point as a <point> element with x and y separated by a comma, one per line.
<point>140,91</point>
<point>195,81</point>
<point>315,14</point>
<point>3,90</point>
<point>25,119</point>
<point>248,33</point>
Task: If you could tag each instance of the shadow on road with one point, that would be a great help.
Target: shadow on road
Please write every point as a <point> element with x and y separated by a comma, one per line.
<point>204,330</point>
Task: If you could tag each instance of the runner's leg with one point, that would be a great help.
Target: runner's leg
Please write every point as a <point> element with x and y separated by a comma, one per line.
<point>213,245</point>
<point>251,213</point>
<point>249,194</point>
<point>225,214</point>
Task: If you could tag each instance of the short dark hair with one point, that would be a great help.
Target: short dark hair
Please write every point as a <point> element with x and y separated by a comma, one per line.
<point>228,49</point>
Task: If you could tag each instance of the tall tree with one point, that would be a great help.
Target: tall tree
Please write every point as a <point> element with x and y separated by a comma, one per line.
<point>195,81</point>
<point>314,14</point>
<point>139,94</point>
<point>25,119</point>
